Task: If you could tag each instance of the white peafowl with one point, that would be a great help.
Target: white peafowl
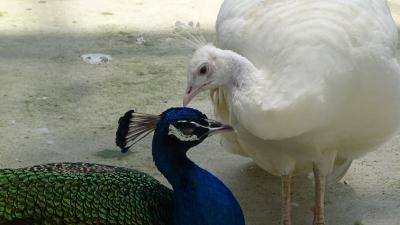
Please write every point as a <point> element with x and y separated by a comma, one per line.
<point>308,85</point>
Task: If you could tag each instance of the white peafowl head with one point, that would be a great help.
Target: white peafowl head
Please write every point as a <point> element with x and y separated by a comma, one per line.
<point>207,69</point>
<point>210,67</point>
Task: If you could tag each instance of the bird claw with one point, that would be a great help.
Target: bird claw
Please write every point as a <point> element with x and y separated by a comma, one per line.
<point>286,222</point>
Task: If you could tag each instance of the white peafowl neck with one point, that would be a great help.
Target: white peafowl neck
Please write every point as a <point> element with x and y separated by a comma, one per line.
<point>241,72</point>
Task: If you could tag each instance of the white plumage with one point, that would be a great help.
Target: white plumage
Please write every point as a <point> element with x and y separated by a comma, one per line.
<point>307,82</point>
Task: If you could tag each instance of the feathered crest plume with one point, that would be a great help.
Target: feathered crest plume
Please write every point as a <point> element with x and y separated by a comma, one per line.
<point>189,34</point>
<point>133,127</point>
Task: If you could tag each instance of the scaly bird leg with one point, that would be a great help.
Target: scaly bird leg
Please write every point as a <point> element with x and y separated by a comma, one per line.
<point>320,182</point>
<point>286,181</point>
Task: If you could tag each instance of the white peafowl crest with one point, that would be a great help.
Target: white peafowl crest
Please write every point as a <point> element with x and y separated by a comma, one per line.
<point>189,35</point>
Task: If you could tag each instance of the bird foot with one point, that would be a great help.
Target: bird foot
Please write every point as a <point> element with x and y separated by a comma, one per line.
<point>318,217</point>
<point>319,220</point>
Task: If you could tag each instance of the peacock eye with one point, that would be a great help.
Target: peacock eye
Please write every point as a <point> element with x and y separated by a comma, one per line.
<point>185,128</point>
<point>183,131</point>
<point>188,130</point>
<point>203,70</point>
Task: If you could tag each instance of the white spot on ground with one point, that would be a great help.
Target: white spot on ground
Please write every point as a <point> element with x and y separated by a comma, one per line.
<point>96,58</point>
<point>43,98</point>
<point>42,130</point>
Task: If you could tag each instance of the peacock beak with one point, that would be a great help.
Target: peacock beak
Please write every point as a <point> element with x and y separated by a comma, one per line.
<point>218,127</point>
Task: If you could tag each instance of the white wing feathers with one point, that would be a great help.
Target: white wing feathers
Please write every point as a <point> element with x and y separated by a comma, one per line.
<point>310,60</point>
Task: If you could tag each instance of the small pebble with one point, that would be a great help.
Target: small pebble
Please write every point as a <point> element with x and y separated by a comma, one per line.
<point>140,40</point>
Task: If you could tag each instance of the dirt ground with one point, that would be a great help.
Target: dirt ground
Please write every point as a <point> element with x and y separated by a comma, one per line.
<point>55,107</point>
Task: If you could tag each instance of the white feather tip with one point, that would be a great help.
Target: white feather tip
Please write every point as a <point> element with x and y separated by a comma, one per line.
<point>189,35</point>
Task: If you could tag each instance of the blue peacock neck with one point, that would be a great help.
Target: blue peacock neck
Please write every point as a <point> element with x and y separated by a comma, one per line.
<point>199,198</point>
<point>171,161</point>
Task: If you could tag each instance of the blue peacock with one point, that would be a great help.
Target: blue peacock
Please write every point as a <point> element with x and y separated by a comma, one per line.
<point>83,193</point>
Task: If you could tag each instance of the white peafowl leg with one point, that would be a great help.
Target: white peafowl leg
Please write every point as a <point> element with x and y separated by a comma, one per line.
<point>320,183</point>
<point>286,182</point>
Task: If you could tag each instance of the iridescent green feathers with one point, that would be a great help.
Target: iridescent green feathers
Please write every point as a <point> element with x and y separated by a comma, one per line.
<point>82,193</point>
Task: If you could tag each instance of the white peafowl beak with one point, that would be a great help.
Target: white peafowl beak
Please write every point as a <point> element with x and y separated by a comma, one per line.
<point>191,92</point>
<point>188,96</point>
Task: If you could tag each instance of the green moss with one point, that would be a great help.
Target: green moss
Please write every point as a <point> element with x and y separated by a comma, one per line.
<point>111,154</point>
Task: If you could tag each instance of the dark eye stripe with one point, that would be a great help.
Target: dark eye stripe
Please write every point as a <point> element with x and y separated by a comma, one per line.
<point>185,127</point>
<point>191,128</point>
<point>187,130</point>
<point>177,133</point>
<point>194,124</point>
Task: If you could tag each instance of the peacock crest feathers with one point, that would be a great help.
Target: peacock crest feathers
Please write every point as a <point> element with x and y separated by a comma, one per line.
<point>133,127</point>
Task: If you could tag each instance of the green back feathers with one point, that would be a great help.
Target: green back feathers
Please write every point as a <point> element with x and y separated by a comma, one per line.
<point>81,193</point>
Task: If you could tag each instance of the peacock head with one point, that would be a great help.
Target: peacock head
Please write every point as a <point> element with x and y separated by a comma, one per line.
<point>183,127</point>
<point>209,68</point>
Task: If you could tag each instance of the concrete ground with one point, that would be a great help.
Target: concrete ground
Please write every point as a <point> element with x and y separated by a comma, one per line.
<point>54,107</point>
